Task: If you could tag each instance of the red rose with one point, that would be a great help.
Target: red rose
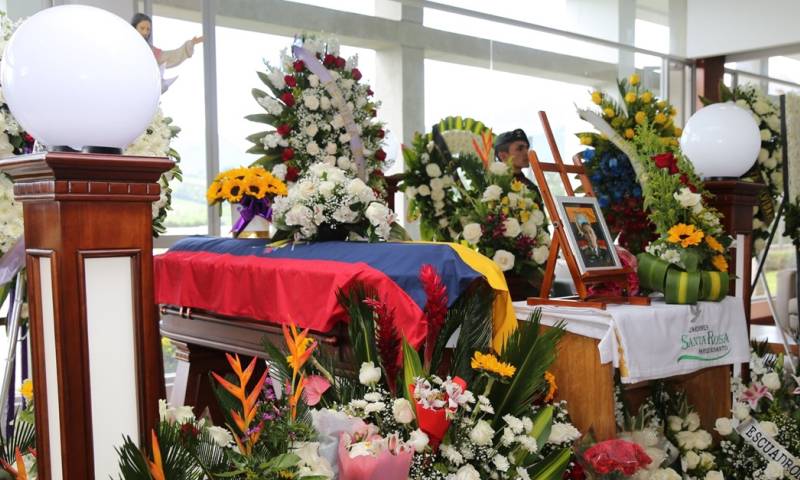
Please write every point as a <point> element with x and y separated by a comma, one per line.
<point>283,130</point>
<point>380,155</point>
<point>356,73</point>
<point>666,160</point>
<point>370,92</point>
<point>292,174</point>
<point>685,181</point>
<point>290,80</point>
<point>340,62</point>
<point>287,154</point>
<point>329,60</point>
<point>287,98</point>
<point>299,66</point>
<point>381,133</point>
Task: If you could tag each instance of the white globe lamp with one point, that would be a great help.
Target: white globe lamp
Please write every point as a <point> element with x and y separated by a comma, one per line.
<point>721,140</point>
<point>80,77</point>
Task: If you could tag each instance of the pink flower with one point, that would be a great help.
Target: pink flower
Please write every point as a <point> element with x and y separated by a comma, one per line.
<point>315,386</point>
<point>755,393</point>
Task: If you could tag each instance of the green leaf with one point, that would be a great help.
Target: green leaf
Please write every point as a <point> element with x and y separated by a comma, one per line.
<point>262,118</point>
<point>553,466</point>
<point>258,94</point>
<point>412,368</point>
<point>690,259</point>
<point>284,461</point>
<point>257,137</point>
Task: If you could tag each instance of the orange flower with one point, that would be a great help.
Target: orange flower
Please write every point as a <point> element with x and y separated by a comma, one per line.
<point>720,263</point>
<point>552,388</point>
<point>300,347</point>
<point>484,151</point>
<point>686,235</point>
<point>156,467</point>
<point>249,402</point>
<point>714,244</point>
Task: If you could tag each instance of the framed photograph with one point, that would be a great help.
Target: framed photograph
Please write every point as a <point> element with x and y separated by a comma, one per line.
<point>587,233</point>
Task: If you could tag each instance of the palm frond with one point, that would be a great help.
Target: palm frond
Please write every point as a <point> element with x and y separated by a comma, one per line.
<point>132,462</point>
<point>22,438</point>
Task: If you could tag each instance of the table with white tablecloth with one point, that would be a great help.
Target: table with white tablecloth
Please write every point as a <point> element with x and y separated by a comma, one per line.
<point>694,345</point>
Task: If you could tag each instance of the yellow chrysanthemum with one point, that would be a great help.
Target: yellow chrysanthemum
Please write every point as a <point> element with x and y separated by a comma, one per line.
<point>551,386</point>
<point>490,364</point>
<point>661,104</point>
<point>524,216</point>
<point>233,189</point>
<point>660,118</point>
<point>686,235</point>
<point>678,131</point>
<point>630,97</point>
<point>617,122</point>
<point>714,244</point>
<point>504,201</point>
<point>647,97</point>
<point>26,390</point>
<point>516,186</point>
<point>720,263</point>
<point>609,112</point>
<point>629,133</point>
<point>634,79</point>
<point>597,97</point>
<point>640,117</point>
<point>521,204</point>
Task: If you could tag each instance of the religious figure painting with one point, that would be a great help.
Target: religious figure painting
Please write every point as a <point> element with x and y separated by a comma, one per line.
<point>587,233</point>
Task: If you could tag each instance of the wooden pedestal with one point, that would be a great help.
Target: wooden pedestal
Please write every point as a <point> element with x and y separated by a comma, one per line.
<point>89,243</point>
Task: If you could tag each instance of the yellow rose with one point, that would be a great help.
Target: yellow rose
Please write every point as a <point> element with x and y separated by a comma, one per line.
<point>597,97</point>
<point>609,112</point>
<point>640,117</point>
<point>586,140</point>
<point>647,97</point>
<point>26,390</point>
<point>629,133</point>
<point>678,131</point>
<point>660,118</point>
<point>634,79</point>
<point>630,97</point>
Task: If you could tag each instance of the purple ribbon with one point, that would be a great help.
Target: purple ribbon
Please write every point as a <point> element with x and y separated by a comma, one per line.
<point>317,68</point>
<point>249,208</point>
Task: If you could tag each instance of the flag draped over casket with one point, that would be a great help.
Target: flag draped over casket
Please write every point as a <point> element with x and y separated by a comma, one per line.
<point>298,283</point>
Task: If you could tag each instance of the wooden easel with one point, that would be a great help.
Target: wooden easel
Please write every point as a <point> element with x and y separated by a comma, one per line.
<point>560,242</point>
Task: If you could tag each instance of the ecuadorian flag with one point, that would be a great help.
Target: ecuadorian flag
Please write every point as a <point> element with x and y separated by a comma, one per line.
<point>247,278</point>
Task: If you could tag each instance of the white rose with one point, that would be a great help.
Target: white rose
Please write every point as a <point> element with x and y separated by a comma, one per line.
<point>538,217</point>
<point>761,107</point>
<point>714,475</point>
<point>183,414</point>
<point>436,184</point>
<point>492,193</point>
<point>403,412</point>
<point>467,472</point>
<point>723,426</point>
<point>279,171</point>
<point>771,162</point>
<point>311,101</point>
<point>529,228</point>
<point>512,228</point>
<point>498,168</point>
<point>326,188</point>
<point>690,460</point>
<point>437,194</point>
<point>763,155</point>
<point>344,163</point>
<point>563,432</point>
<point>771,381</point>
<point>220,436</point>
<point>377,213</point>
<point>675,423</point>
<point>665,474</point>
<point>325,103</point>
<point>765,135</point>
<point>504,259</point>
<point>702,439</point>
<point>424,190</point>
<point>686,198</point>
<point>706,460</point>
<point>418,440</point>
<point>433,170</point>
<point>311,130</point>
<point>741,411</point>
<point>312,148</point>
<point>769,428</point>
<point>540,254</point>
<point>313,80</point>
<point>369,374</point>
<point>774,471</point>
<point>482,433</point>
<point>693,421</point>
<point>410,192</point>
<point>337,122</point>
<point>657,457</point>
<point>330,148</point>
<point>472,233</point>
<point>500,462</point>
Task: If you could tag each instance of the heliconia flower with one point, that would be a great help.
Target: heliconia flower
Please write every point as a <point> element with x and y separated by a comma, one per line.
<point>435,307</point>
<point>156,467</point>
<point>755,393</point>
<point>387,341</point>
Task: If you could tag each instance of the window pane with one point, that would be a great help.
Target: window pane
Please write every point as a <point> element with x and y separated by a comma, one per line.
<point>184,103</point>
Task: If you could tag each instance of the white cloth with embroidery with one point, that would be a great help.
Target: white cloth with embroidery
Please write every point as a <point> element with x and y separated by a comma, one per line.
<point>658,341</point>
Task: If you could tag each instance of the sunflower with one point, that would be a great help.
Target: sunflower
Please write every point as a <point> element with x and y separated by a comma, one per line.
<point>233,190</point>
<point>490,364</point>
<point>714,244</point>
<point>275,186</point>
<point>720,263</point>
<point>551,386</point>
<point>214,192</point>
<point>686,235</point>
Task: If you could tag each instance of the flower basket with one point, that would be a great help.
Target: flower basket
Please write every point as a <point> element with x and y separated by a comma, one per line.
<point>257,227</point>
<point>679,286</point>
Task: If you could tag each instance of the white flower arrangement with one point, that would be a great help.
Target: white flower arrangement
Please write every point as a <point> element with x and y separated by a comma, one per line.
<point>326,198</point>
<point>11,226</point>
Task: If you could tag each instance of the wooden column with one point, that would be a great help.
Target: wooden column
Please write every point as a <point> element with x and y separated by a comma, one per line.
<point>97,366</point>
<point>735,200</point>
<point>709,74</point>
